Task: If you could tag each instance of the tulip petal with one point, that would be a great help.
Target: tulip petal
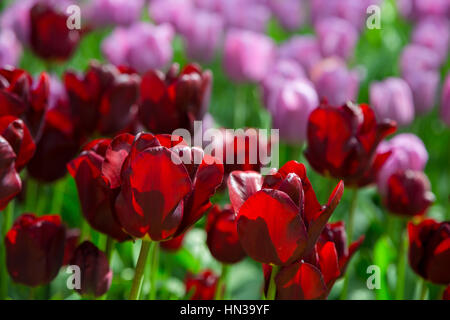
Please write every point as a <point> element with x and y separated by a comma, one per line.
<point>115,155</point>
<point>242,185</point>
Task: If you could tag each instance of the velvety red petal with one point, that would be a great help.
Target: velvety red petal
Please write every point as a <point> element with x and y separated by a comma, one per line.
<point>242,185</point>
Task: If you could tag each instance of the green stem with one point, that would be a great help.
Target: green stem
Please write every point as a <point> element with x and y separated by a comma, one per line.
<point>58,196</point>
<point>423,289</point>
<point>31,195</point>
<point>154,271</point>
<point>351,220</point>
<point>240,107</point>
<point>401,267</point>
<point>139,272</point>
<point>220,289</point>
<point>8,216</point>
<point>272,291</point>
<point>85,230</point>
<point>109,248</point>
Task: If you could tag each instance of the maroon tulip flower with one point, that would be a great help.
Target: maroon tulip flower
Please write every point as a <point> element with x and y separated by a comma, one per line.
<point>314,276</point>
<point>103,99</point>
<point>279,219</point>
<point>50,37</point>
<point>429,250</point>
<point>95,172</point>
<point>446,295</point>
<point>35,249</point>
<point>24,98</point>
<point>408,193</point>
<point>96,275</point>
<point>59,143</point>
<point>342,142</point>
<point>173,244</point>
<point>165,186</point>
<point>16,149</point>
<point>172,101</point>
<point>202,286</point>
<point>72,240</point>
<point>223,240</point>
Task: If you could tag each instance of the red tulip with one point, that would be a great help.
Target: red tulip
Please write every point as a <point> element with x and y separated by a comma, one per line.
<point>50,37</point>
<point>24,98</point>
<point>164,190</point>
<point>104,98</point>
<point>96,274</point>
<point>202,286</point>
<point>16,149</point>
<point>96,172</point>
<point>279,218</point>
<point>342,142</point>
<point>446,295</point>
<point>408,193</point>
<point>72,239</point>
<point>429,250</point>
<point>314,275</point>
<point>223,239</point>
<point>172,101</point>
<point>58,145</point>
<point>173,244</point>
<point>35,249</point>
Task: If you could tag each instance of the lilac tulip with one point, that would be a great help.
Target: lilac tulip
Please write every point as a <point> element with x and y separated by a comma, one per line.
<point>17,18</point>
<point>102,13</point>
<point>304,49</point>
<point>392,99</point>
<point>210,5</point>
<point>418,58</point>
<point>419,9</point>
<point>283,70</point>
<point>175,12</point>
<point>337,37</point>
<point>10,48</point>
<point>249,15</point>
<point>335,82</point>
<point>424,86</point>
<point>203,35</point>
<point>445,103</point>
<point>290,107</point>
<point>408,152</point>
<point>435,35</point>
<point>143,46</point>
<point>247,55</point>
<point>290,13</point>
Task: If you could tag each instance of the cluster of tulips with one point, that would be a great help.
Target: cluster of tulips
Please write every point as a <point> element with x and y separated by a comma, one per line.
<point>111,128</point>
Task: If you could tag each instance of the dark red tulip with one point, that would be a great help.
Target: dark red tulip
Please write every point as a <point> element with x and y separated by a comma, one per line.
<point>174,244</point>
<point>50,38</point>
<point>173,101</point>
<point>35,249</point>
<point>58,145</point>
<point>24,98</point>
<point>202,286</point>
<point>16,149</point>
<point>429,250</point>
<point>165,187</point>
<point>408,193</point>
<point>342,142</point>
<point>96,274</point>
<point>279,218</point>
<point>314,276</point>
<point>223,240</point>
<point>446,294</point>
<point>72,240</point>
<point>97,174</point>
<point>103,99</point>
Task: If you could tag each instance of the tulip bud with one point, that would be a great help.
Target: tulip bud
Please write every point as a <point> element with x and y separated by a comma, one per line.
<point>35,249</point>
<point>408,193</point>
<point>392,99</point>
<point>202,286</point>
<point>429,252</point>
<point>247,55</point>
<point>96,274</point>
<point>223,240</point>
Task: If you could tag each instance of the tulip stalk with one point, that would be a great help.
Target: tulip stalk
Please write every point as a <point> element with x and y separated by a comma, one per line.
<point>139,272</point>
<point>220,289</point>
<point>109,247</point>
<point>401,266</point>
<point>423,289</point>
<point>58,196</point>
<point>7,220</point>
<point>351,218</point>
<point>272,290</point>
<point>154,271</point>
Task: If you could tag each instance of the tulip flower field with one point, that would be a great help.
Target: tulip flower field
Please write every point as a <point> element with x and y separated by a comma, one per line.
<point>224,150</point>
